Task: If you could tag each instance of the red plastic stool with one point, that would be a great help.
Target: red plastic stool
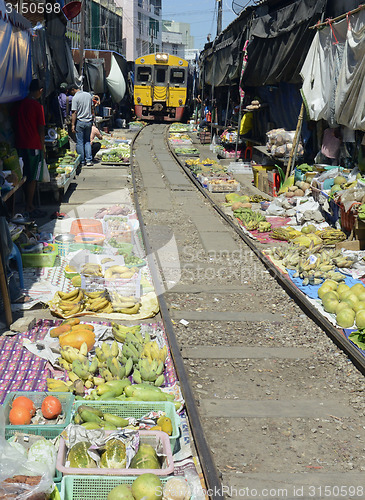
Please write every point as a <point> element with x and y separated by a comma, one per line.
<point>248,150</point>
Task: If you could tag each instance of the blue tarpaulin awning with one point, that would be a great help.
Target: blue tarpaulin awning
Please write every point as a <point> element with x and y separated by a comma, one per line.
<point>15,62</point>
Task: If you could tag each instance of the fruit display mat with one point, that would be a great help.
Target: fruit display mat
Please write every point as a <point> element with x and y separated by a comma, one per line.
<point>265,237</point>
<point>20,370</point>
<point>312,290</point>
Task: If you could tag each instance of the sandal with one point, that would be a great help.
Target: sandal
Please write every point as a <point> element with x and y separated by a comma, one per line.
<point>22,299</point>
<point>59,215</point>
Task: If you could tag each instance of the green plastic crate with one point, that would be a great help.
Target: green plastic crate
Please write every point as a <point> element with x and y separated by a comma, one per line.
<point>40,259</point>
<point>49,431</point>
<point>93,487</point>
<point>136,409</point>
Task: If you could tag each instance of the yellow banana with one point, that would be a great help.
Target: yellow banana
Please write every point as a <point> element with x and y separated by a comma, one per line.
<point>72,376</point>
<point>69,295</point>
<point>83,349</point>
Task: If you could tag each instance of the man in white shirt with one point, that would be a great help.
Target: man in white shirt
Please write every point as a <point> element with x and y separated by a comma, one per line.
<point>82,119</point>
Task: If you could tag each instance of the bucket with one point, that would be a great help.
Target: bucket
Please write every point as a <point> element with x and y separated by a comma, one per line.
<point>86,226</point>
<point>64,242</point>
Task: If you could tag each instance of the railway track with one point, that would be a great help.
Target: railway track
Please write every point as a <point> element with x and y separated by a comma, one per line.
<point>275,402</point>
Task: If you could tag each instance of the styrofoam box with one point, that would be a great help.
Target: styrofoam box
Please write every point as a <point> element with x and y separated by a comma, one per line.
<point>240,168</point>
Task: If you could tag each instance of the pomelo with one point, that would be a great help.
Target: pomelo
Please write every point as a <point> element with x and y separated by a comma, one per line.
<point>342,305</point>
<point>120,492</point>
<point>360,319</point>
<point>330,305</point>
<point>345,318</point>
<point>358,289</point>
<point>147,486</point>
<point>342,287</point>
<point>330,295</point>
<point>323,289</point>
<point>359,306</point>
<point>333,284</point>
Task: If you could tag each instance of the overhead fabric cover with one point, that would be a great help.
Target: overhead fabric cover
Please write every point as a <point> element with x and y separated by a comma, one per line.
<point>116,80</point>
<point>95,75</point>
<point>15,63</point>
<point>333,74</point>
<point>279,43</point>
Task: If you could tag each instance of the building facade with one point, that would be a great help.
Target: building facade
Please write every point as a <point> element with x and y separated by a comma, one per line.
<point>103,26</point>
<point>142,27</point>
<point>172,43</point>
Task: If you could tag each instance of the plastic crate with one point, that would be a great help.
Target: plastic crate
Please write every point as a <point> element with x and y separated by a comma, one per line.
<point>49,431</point>
<point>86,226</point>
<point>240,168</point>
<point>26,440</point>
<point>40,259</point>
<point>136,409</point>
<point>348,218</point>
<point>147,437</point>
<point>93,487</point>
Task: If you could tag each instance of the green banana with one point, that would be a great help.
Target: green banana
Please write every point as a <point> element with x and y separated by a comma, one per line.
<point>160,368</point>
<point>137,379</point>
<point>114,349</point>
<point>128,367</point>
<point>107,426</point>
<point>79,369</point>
<point>160,380</point>
<point>94,365</point>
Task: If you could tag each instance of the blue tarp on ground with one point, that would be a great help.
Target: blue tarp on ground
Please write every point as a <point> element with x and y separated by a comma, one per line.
<point>312,290</point>
<point>15,64</point>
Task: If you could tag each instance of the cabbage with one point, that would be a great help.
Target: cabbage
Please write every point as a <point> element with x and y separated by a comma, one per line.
<point>44,452</point>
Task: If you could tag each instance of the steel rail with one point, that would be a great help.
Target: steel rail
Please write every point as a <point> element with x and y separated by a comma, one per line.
<point>211,475</point>
<point>335,334</point>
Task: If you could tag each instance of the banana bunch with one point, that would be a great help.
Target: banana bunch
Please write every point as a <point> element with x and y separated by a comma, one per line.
<point>100,304</point>
<point>91,270</point>
<point>70,354</point>
<point>313,264</point>
<point>132,351</point>
<point>264,227</point>
<point>249,218</point>
<point>152,352</point>
<point>124,304</point>
<point>149,371</point>
<point>331,236</point>
<point>54,385</point>
<point>257,198</point>
<point>120,331</point>
<point>119,272</point>
<point>71,303</point>
<point>284,234</point>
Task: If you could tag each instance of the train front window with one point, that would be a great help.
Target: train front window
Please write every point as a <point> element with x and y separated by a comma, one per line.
<point>143,74</point>
<point>160,75</point>
<point>177,75</point>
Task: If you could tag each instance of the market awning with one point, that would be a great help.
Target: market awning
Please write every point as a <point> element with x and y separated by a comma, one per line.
<point>279,42</point>
<point>15,64</point>
<point>115,80</point>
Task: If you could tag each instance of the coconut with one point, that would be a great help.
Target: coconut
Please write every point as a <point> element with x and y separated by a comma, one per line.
<point>360,319</point>
<point>236,205</point>
<point>289,194</point>
<point>292,188</point>
<point>345,318</point>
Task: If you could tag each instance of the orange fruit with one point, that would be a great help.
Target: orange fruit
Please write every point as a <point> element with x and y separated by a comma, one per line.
<point>51,407</point>
<point>25,403</point>
<point>19,416</point>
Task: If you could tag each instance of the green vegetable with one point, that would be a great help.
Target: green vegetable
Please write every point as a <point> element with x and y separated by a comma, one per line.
<point>79,457</point>
<point>358,338</point>
<point>114,456</point>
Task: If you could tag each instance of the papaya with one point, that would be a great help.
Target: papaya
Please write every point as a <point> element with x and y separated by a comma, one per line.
<point>59,330</point>
<point>72,321</point>
<point>82,326</point>
<point>77,338</point>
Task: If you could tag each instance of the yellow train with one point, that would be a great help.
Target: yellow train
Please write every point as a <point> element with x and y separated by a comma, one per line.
<point>162,87</point>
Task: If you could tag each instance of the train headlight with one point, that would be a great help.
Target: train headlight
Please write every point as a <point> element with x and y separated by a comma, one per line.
<point>138,99</point>
<point>180,102</point>
<point>163,58</point>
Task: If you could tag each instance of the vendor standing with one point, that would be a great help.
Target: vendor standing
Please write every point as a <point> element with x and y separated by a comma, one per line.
<point>82,120</point>
<point>30,142</point>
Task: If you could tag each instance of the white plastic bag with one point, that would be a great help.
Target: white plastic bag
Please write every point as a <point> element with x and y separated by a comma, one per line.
<point>45,172</point>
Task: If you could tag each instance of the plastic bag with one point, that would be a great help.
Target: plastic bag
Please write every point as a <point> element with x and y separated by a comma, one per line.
<point>45,172</point>
<point>12,464</point>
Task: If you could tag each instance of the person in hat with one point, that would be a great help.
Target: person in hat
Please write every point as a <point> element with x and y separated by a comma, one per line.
<point>30,142</point>
<point>65,100</point>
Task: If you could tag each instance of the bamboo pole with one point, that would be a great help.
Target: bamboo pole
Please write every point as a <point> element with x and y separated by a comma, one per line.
<point>338,18</point>
<point>295,141</point>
